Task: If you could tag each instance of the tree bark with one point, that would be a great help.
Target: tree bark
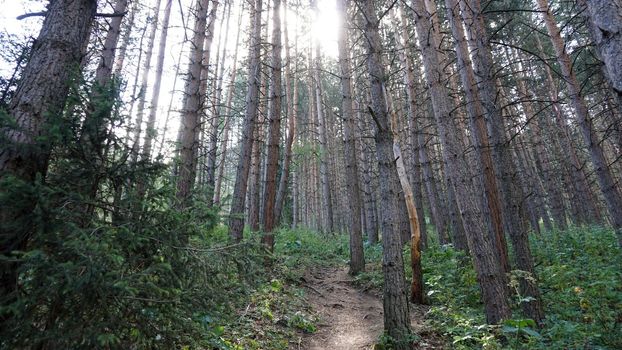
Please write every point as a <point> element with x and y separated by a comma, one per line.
<point>292,116</point>
<point>612,195</point>
<point>477,225</point>
<point>274,131</point>
<point>150,132</point>
<point>190,120</point>
<point>215,108</point>
<point>228,117</point>
<point>39,99</point>
<point>395,302</point>
<point>144,81</point>
<point>504,167</point>
<point>236,214</point>
<point>479,132</point>
<point>327,201</point>
<point>357,259</point>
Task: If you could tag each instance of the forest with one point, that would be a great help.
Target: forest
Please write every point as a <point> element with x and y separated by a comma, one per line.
<point>321,174</point>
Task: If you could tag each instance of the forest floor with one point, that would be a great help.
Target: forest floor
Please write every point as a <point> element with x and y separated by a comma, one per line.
<point>350,318</point>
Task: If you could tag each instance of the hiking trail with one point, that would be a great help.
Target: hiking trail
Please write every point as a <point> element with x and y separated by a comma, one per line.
<point>350,318</point>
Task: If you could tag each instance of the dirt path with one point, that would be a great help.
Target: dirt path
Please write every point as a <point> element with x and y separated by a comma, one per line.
<point>349,318</point>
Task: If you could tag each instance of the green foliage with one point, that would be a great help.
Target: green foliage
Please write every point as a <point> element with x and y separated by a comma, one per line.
<point>386,342</point>
<point>273,317</point>
<point>578,273</point>
<point>104,259</point>
<point>579,276</point>
<point>297,250</point>
<point>581,284</point>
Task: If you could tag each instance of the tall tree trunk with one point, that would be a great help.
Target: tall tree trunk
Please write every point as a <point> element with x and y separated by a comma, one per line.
<point>274,131</point>
<point>292,116</point>
<point>612,195</point>
<point>327,201</point>
<point>41,94</point>
<point>144,81</point>
<point>190,120</point>
<point>476,222</point>
<point>127,35</point>
<point>395,301</point>
<point>203,93</point>
<point>413,122</point>
<point>236,214</point>
<point>169,110</point>
<point>576,166</point>
<point>228,117</point>
<point>505,169</point>
<point>150,132</point>
<point>215,108</point>
<point>367,177</point>
<point>357,259</point>
<point>479,134</point>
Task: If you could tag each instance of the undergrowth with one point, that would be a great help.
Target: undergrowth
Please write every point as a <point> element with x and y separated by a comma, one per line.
<point>579,274</point>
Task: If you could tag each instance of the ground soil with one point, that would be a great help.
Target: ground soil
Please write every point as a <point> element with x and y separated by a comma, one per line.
<point>350,318</point>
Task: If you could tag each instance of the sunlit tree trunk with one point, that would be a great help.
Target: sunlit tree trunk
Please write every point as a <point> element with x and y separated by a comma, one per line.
<point>144,81</point>
<point>150,132</point>
<point>228,117</point>
<point>190,120</point>
<point>327,201</point>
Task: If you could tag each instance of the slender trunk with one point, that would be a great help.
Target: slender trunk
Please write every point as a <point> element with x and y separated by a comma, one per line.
<point>150,132</point>
<point>190,120</point>
<point>321,118</point>
<point>413,122</point>
<point>477,120</point>
<point>292,115</point>
<point>395,301</point>
<point>606,182</point>
<point>357,259</point>
<point>488,266</point>
<point>504,167</point>
<point>203,93</point>
<point>215,108</point>
<point>228,117</point>
<point>274,131</point>
<point>170,102</point>
<point>145,80</point>
<point>236,215</point>
<point>127,35</point>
